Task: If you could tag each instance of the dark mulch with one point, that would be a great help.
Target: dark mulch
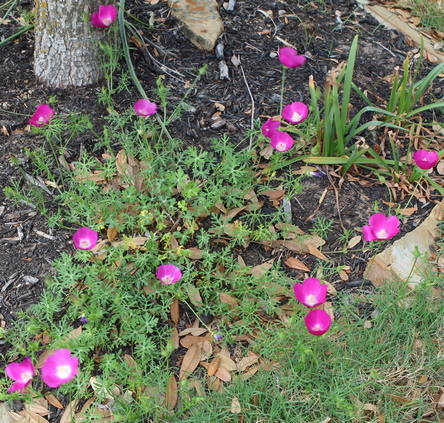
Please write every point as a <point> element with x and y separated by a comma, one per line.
<point>253,34</point>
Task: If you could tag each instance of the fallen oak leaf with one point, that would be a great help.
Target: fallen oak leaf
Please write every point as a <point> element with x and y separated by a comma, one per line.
<point>246,362</point>
<point>190,361</point>
<point>223,374</point>
<point>213,366</point>
<point>171,393</point>
<point>295,263</point>
<point>190,340</point>
<point>193,331</point>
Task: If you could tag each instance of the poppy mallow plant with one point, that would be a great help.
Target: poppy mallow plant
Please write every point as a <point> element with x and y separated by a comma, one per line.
<point>168,274</point>
<point>426,159</point>
<point>381,228</point>
<point>290,58</point>
<point>295,112</point>
<point>317,322</point>
<point>22,373</point>
<point>59,368</point>
<point>85,239</point>
<point>42,115</point>
<point>311,292</point>
<point>281,141</point>
<point>104,17</point>
<point>145,107</point>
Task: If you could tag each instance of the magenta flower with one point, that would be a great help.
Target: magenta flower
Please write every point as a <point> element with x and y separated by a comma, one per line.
<point>290,58</point>
<point>168,274</point>
<point>281,141</point>
<point>381,227</point>
<point>42,115</point>
<point>426,159</point>
<point>104,17</point>
<point>311,292</point>
<point>85,239</point>
<point>145,107</point>
<point>22,373</point>
<point>270,127</point>
<point>59,368</point>
<point>318,322</point>
<point>295,112</point>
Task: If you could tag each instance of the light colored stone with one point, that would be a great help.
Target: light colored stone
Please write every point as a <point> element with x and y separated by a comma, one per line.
<point>399,262</point>
<point>4,413</point>
<point>200,21</point>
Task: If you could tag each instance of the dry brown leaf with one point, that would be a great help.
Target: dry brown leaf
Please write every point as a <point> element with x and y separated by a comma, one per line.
<point>343,275</point>
<point>235,406</point>
<point>247,362</point>
<point>295,263</point>
<point>328,308</point>
<point>193,331</point>
<point>171,393</point>
<point>194,296</point>
<point>438,401</point>
<point>354,241</point>
<point>214,365</point>
<point>261,269</point>
<point>194,253</point>
<point>206,350</point>
<point>191,340</point>
<point>111,233</point>
<point>32,417</point>
<point>38,409</point>
<point>315,252</point>
<point>276,194</point>
<point>69,412</point>
<point>16,417</point>
<point>215,384</point>
<point>174,311</point>
<point>43,356</point>
<point>233,212</point>
<point>175,338</point>
<point>251,372</point>
<point>194,383</point>
<point>228,363</point>
<point>228,299</point>
<point>54,401</point>
<point>408,211</point>
<point>132,363</point>
<point>190,361</point>
<point>223,374</point>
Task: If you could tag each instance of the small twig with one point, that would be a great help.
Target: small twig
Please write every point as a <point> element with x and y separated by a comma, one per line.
<point>385,48</point>
<point>271,19</point>
<point>252,107</point>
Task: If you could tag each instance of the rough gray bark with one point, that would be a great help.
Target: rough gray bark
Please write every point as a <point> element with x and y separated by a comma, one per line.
<point>63,53</point>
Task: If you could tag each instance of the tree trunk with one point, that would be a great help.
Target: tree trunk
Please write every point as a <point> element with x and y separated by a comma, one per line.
<point>64,54</point>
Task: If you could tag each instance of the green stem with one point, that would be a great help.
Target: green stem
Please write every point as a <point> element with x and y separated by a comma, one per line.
<point>284,71</point>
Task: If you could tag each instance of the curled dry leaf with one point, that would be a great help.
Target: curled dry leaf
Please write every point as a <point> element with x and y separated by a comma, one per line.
<point>171,393</point>
<point>235,406</point>
<point>190,340</point>
<point>247,362</point>
<point>193,331</point>
<point>214,365</point>
<point>174,311</point>
<point>54,401</point>
<point>223,374</point>
<point>190,361</point>
<point>295,263</point>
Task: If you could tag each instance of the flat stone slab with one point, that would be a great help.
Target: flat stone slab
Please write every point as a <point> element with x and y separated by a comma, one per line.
<point>200,21</point>
<point>400,260</point>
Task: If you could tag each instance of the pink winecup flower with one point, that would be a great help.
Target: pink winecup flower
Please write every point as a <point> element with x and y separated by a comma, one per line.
<point>426,159</point>
<point>290,58</point>
<point>168,274</point>
<point>381,227</point>
<point>104,17</point>
<point>22,373</point>
<point>42,115</point>
<point>318,322</point>
<point>85,239</point>
<point>295,112</point>
<point>59,368</point>
<point>281,141</point>
<point>270,127</point>
<point>311,292</point>
<point>145,107</point>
